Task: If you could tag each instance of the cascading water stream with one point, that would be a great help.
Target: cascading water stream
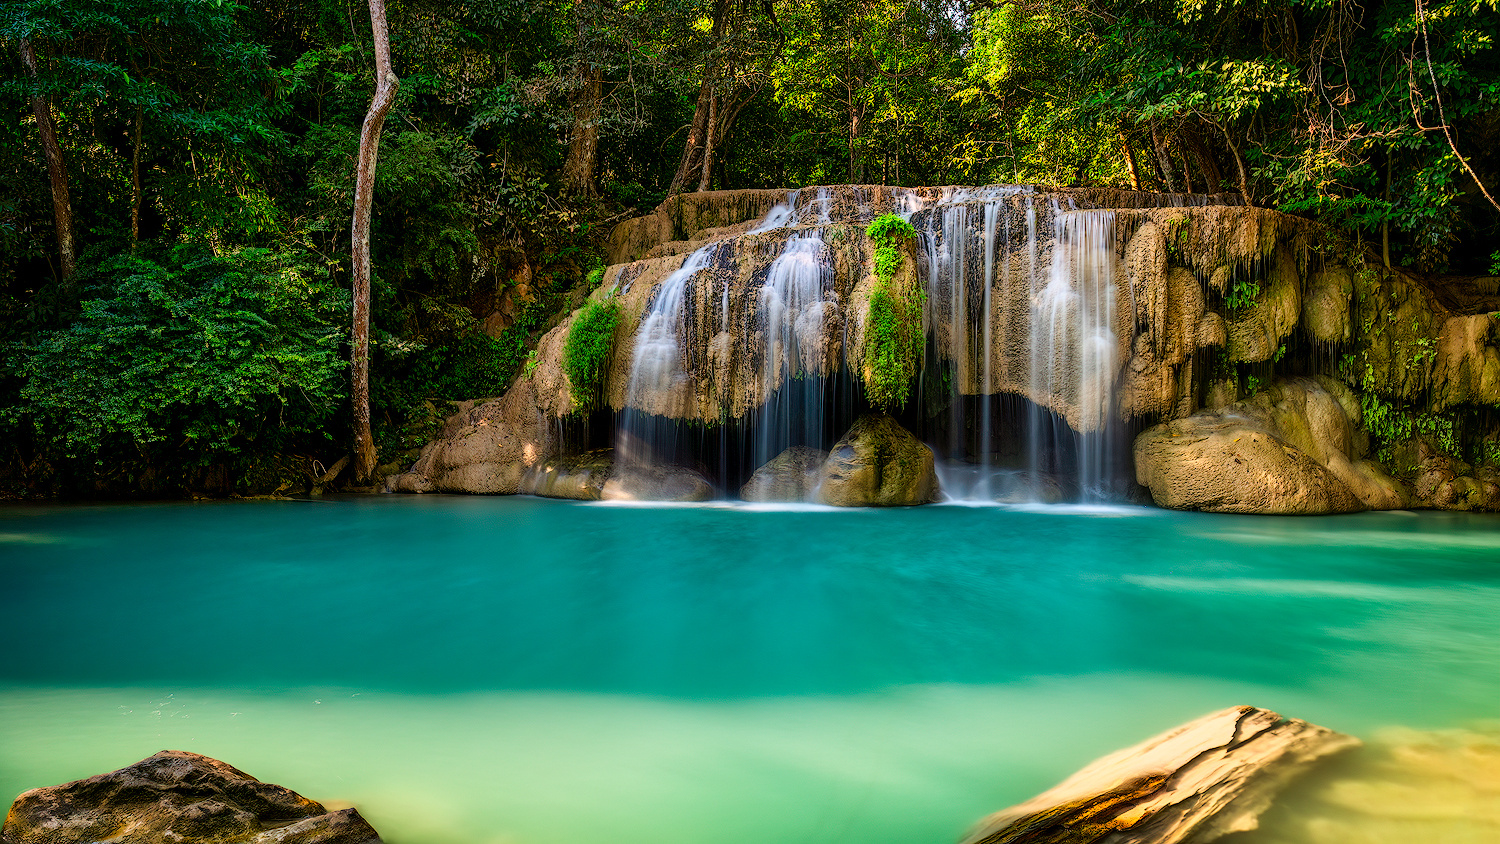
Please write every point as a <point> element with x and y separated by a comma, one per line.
<point>795,305</point>
<point>1074,350</point>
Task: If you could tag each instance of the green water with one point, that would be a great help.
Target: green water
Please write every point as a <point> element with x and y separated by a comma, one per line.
<point>487,670</point>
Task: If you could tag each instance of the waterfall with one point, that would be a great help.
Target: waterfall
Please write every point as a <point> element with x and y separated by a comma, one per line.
<point>1020,303</point>
<point>1074,350</point>
<point>794,309</point>
<point>656,373</point>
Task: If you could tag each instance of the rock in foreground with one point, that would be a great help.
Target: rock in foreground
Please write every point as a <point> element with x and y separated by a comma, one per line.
<point>177,797</point>
<point>878,463</point>
<point>1194,783</point>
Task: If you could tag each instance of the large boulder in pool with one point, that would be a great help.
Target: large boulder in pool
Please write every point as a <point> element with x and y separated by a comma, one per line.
<point>1192,784</point>
<point>878,463</point>
<point>177,797</point>
<point>789,476</point>
<point>1294,448</point>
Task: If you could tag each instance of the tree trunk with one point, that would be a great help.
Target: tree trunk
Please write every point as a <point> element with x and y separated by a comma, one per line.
<point>135,181</point>
<point>697,139</point>
<point>692,151</point>
<point>583,146</point>
<point>62,208</point>
<point>364,189</point>
<point>1213,180</point>
<point>1135,176</point>
<point>706,180</point>
<point>1163,159</point>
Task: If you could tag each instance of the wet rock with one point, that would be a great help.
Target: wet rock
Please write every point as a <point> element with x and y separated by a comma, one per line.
<point>1441,481</point>
<point>580,477</point>
<point>1325,309</point>
<point>877,463</point>
<point>1194,783</point>
<point>1256,334</point>
<point>1291,449</point>
<point>789,476</point>
<point>656,483</point>
<point>176,797</point>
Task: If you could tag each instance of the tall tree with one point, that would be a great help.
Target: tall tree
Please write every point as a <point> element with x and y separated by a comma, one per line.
<point>62,210</point>
<point>364,189</point>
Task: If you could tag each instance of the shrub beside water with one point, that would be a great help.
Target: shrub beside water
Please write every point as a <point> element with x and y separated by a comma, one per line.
<point>587,352</point>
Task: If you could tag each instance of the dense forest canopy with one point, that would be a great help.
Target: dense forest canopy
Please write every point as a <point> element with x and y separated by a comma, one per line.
<point>177,176</point>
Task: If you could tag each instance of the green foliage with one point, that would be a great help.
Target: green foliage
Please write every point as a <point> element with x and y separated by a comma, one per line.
<point>893,343</point>
<point>587,351</point>
<point>1243,292</point>
<point>1391,425</point>
<point>194,360</point>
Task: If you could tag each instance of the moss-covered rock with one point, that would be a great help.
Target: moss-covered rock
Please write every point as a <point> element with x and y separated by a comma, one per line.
<point>878,463</point>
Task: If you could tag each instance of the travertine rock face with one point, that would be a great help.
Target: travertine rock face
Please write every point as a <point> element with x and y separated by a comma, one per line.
<point>1292,449</point>
<point>877,463</point>
<point>177,797</point>
<point>1326,308</point>
<point>789,476</point>
<point>1195,783</point>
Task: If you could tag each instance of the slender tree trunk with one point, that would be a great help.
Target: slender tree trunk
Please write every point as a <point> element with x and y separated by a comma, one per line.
<point>1239,165</point>
<point>62,208</point>
<point>1135,176</point>
<point>583,146</point>
<point>1163,159</point>
<point>364,189</point>
<point>135,181</point>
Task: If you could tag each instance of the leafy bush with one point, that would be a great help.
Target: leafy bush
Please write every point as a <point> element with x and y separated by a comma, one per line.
<point>586,354</point>
<point>894,340</point>
<point>199,360</point>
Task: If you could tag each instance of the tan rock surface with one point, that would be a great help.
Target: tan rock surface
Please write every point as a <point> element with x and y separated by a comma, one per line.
<point>1195,783</point>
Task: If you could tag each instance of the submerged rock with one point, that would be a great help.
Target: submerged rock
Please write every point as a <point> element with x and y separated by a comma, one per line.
<point>176,797</point>
<point>878,463</point>
<point>789,476</point>
<point>1194,783</point>
<point>656,483</point>
<point>580,477</point>
<point>1294,448</point>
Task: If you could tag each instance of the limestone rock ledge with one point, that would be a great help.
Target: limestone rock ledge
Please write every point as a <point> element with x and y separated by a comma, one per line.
<point>1194,783</point>
<point>176,797</point>
<point>1294,449</point>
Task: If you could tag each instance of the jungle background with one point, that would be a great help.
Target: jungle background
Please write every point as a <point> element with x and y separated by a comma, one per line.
<point>174,290</point>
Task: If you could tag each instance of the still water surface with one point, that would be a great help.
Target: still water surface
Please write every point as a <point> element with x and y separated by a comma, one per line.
<point>486,670</point>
